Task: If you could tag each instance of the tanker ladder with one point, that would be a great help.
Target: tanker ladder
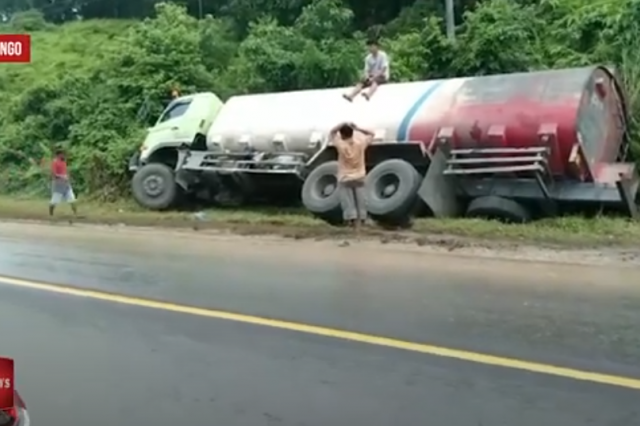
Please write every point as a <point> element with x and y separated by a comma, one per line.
<point>487,178</point>
<point>514,184</point>
<point>233,175</point>
<point>490,164</point>
<point>280,160</point>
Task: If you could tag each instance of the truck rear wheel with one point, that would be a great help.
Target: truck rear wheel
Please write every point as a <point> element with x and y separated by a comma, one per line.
<point>498,208</point>
<point>320,195</point>
<point>392,192</point>
<point>154,186</point>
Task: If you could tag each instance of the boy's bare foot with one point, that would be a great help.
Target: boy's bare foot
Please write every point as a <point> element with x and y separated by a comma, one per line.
<point>347,97</point>
<point>366,96</point>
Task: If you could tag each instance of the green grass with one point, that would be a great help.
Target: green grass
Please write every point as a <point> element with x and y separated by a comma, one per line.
<point>60,48</point>
<point>566,231</point>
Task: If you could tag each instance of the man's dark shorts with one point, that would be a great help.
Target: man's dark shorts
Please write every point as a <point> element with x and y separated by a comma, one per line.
<point>367,81</point>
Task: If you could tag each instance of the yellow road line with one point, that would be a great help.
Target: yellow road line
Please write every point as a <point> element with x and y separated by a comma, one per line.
<point>474,357</point>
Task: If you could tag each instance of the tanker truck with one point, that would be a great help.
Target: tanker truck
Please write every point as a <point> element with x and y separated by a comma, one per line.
<point>514,147</point>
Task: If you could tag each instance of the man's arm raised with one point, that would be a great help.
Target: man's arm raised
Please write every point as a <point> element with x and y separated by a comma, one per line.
<point>368,133</point>
<point>335,129</point>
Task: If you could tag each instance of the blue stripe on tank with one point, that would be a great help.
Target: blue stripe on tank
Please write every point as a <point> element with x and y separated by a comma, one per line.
<point>403,130</point>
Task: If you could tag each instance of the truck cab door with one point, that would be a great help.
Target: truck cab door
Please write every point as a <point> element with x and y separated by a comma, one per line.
<point>173,124</point>
<point>181,121</point>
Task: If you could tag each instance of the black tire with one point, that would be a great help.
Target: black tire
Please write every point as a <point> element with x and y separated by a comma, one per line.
<point>397,208</point>
<point>320,195</point>
<point>498,208</point>
<point>154,187</point>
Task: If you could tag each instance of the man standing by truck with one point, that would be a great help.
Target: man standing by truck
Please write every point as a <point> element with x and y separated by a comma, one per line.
<point>61,189</point>
<point>351,143</point>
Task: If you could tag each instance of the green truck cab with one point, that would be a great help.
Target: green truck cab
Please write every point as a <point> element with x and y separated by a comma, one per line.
<point>185,121</point>
<point>182,122</point>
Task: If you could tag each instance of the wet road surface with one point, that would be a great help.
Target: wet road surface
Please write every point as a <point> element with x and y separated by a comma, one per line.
<point>85,361</point>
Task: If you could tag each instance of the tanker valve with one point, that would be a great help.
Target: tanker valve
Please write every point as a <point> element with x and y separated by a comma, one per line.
<point>216,143</point>
<point>315,140</point>
<point>445,139</point>
<point>379,135</point>
<point>245,142</point>
<point>278,142</point>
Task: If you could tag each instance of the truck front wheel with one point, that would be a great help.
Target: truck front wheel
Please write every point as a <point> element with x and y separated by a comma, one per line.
<point>320,194</point>
<point>154,186</point>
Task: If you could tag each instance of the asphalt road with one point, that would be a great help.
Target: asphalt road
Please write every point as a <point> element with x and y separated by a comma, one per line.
<point>86,361</point>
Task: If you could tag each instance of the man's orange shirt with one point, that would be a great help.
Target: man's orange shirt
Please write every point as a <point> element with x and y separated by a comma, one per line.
<point>351,157</point>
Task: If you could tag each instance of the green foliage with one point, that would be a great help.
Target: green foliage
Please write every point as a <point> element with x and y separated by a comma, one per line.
<point>90,77</point>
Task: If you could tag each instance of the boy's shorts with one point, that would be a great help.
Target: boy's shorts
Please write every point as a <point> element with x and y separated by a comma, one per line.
<point>59,196</point>
<point>368,81</point>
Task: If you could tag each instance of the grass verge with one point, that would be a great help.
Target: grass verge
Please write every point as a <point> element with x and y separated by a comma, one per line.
<point>566,231</point>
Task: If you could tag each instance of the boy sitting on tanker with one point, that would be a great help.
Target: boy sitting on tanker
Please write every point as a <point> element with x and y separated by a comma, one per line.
<point>351,142</point>
<point>376,72</point>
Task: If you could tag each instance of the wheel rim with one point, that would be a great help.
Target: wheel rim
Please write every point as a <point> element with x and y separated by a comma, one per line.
<point>153,185</point>
<point>326,186</point>
<point>386,186</point>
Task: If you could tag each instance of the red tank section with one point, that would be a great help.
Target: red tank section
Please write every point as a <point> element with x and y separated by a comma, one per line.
<point>582,105</point>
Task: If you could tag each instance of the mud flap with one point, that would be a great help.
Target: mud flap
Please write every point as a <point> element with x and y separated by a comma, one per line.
<point>134,163</point>
<point>627,188</point>
<point>437,190</point>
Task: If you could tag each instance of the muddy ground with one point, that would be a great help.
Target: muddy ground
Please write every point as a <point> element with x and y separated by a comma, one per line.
<point>370,241</point>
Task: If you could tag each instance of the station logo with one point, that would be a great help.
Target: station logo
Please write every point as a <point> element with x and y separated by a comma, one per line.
<point>6,383</point>
<point>15,48</point>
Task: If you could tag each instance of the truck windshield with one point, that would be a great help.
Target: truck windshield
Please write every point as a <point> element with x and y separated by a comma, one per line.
<point>175,110</point>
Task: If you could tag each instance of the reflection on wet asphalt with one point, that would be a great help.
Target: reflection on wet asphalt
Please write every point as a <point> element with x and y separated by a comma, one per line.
<point>82,361</point>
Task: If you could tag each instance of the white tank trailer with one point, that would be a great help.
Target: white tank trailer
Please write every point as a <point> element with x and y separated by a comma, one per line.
<point>514,147</point>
